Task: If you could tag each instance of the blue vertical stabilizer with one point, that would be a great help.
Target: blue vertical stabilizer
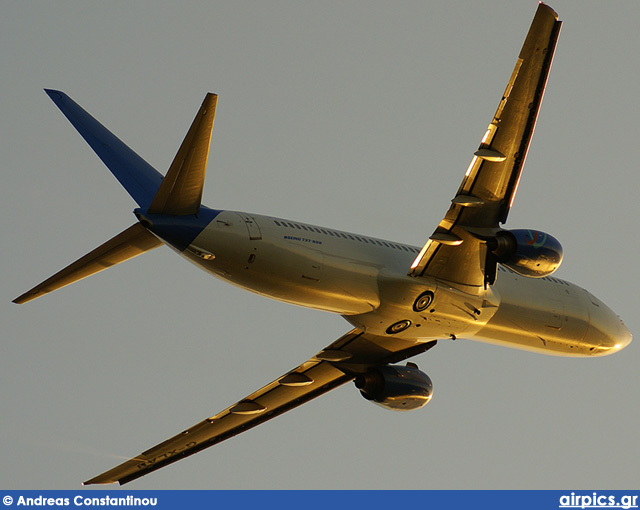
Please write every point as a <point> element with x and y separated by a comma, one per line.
<point>137,176</point>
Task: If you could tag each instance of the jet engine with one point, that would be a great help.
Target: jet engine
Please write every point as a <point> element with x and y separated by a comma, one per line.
<point>396,387</point>
<point>529,253</point>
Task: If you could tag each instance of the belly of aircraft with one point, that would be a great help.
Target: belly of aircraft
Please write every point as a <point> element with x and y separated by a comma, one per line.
<point>293,272</point>
<point>548,316</point>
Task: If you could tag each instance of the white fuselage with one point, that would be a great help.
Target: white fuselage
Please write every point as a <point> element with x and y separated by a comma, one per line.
<point>365,280</point>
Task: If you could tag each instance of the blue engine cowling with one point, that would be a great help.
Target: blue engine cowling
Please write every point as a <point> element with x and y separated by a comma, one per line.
<point>396,387</point>
<point>529,253</point>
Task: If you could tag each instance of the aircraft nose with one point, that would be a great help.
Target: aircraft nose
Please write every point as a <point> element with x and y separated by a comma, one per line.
<point>606,329</point>
<point>624,336</point>
<point>614,335</point>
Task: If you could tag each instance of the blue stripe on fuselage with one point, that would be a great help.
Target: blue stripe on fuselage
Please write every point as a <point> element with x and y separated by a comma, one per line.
<point>177,231</point>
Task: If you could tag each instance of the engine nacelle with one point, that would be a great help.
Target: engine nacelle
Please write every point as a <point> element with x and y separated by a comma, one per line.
<point>529,253</point>
<point>396,387</point>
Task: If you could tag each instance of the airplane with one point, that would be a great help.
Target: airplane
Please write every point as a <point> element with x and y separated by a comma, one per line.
<point>472,278</point>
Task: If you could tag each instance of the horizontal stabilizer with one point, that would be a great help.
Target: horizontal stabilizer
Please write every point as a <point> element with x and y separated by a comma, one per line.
<point>137,176</point>
<point>181,190</point>
<point>126,245</point>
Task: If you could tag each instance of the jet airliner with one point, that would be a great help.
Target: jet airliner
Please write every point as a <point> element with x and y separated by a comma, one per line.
<point>472,278</point>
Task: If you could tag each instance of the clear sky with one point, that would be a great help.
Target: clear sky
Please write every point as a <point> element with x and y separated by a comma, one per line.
<point>361,116</point>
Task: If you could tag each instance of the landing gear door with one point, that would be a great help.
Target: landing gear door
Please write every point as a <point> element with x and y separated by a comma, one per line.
<point>252,227</point>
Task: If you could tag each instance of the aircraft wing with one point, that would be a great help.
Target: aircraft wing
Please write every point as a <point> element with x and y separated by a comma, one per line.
<point>339,363</point>
<point>455,251</point>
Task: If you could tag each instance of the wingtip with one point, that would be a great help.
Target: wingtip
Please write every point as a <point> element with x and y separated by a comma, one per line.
<point>27,296</point>
<point>22,299</point>
<point>98,481</point>
<point>548,8</point>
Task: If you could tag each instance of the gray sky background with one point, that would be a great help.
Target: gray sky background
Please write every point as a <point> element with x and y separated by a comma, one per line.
<point>361,116</point>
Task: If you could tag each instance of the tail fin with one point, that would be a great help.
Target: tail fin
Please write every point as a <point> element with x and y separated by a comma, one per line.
<point>181,190</point>
<point>179,193</point>
<point>137,176</point>
<point>128,244</point>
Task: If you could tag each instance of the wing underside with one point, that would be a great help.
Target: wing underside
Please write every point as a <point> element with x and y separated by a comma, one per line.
<point>456,251</point>
<point>339,363</point>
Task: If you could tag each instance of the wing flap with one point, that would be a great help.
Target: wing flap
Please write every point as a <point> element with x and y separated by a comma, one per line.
<point>309,380</point>
<point>130,243</point>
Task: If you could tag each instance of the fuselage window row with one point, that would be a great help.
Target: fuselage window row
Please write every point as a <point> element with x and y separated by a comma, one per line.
<point>284,224</point>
